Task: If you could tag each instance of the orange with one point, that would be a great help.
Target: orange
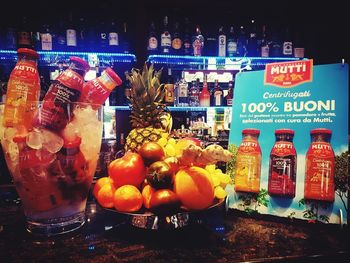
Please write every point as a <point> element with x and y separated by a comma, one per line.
<point>194,187</point>
<point>99,183</point>
<point>128,198</point>
<point>147,192</point>
<point>105,196</point>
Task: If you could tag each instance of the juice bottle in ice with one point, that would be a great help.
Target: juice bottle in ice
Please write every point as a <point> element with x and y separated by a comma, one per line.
<point>64,90</point>
<point>248,162</point>
<point>23,90</point>
<point>319,170</point>
<point>96,91</point>
<point>283,165</point>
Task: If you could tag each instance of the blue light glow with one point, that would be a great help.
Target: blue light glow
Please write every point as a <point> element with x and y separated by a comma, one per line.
<point>176,108</point>
<point>48,56</point>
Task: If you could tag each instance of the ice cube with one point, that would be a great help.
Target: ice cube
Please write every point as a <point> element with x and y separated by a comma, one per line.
<point>13,151</point>
<point>91,138</point>
<point>35,139</point>
<point>71,131</point>
<point>51,141</point>
<point>84,115</point>
<point>9,133</point>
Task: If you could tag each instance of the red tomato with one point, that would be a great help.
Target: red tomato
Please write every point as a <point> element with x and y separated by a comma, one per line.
<point>129,169</point>
<point>151,152</point>
<point>164,201</point>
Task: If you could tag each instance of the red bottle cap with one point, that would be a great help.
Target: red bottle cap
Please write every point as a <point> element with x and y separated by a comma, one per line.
<point>251,131</point>
<point>85,65</point>
<point>110,72</point>
<point>284,131</point>
<point>29,52</point>
<point>321,130</point>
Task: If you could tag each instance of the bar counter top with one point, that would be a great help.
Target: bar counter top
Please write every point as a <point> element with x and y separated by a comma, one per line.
<point>220,236</point>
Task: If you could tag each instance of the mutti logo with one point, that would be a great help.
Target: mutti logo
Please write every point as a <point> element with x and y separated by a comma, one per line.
<point>288,74</point>
<point>249,144</point>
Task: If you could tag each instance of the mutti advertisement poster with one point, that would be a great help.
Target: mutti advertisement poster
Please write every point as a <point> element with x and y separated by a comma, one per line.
<point>289,137</point>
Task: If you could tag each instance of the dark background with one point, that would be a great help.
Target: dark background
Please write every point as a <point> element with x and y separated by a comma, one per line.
<point>323,25</point>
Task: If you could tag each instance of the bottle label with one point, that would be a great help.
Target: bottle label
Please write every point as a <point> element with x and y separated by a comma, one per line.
<point>169,93</point>
<point>24,38</point>
<point>218,98</point>
<point>71,37</point>
<point>165,40</point>
<point>152,43</point>
<point>197,47</point>
<point>113,39</point>
<point>282,176</point>
<point>183,90</point>
<point>176,43</point>
<point>265,51</point>
<point>46,41</point>
<point>222,46</point>
<point>319,178</point>
<point>71,79</point>
<point>287,48</point>
<point>103,36</point>
<point>299,52</point>
<point>229,102</point>
<point>22,92</point>
<point>231,47</point>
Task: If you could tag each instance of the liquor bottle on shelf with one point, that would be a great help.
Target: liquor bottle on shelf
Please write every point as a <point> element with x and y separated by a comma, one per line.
<point>71,34</point>
<point>231,43</point>
<point>165,38</point>
<point>242,42</point>
<point>218,94</point>
<point>60,38</point>
<point>221,42</point>
<point>287,45</point>
<point>299,49</point>
<point>24,35</point>
<point>194,93</point>
<point>182,91</point>
<point>176,42</point>
<point>169,89</point>
<point>152,43</point>
<point>275,44</point>
<point>228,99</point>
<point>46,38</point>
<point>264,43</point>
<point>252,46</point>
<point>113,37</point>
<point>198,42</point>
<point>204,96</point>
<point>81,34</point>
<point>124,39</point>
<point>187,44</point>
<point>103,39</point>
<point>10,38</point>
<point>91,38</point>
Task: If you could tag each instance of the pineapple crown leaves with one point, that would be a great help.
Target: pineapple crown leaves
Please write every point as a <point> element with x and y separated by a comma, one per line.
<point>147,94</point>
<point>145,86</point>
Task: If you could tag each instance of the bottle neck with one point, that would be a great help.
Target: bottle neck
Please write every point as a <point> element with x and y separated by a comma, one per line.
<point>107,81</point>
<point>28,59</point>
<point>321,138</point>
<point>76,67</point>
<point>284,137</point>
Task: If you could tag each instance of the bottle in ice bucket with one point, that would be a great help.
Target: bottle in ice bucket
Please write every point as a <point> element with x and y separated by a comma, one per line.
<point>23,90</point>
<point>65,89</point>
<point>283,165</point>
<point>248,162</point>
<point>320,164</point>
<point>96,91</point>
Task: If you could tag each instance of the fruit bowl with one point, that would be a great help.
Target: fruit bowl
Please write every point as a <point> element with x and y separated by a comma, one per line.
<point>146,219</point>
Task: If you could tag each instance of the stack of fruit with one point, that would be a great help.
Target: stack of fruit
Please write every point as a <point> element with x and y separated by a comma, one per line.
<point>159,173</point>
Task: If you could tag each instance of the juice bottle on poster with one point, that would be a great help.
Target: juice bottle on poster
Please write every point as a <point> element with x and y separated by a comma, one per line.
<point>283,165</point>
<point>248,162</point>
<point>64,90</point>
<point>320,164</point>
<point>97,90</point>
<point>23,90</point>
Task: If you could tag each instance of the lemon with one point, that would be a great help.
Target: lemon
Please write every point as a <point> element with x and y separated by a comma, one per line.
<point>220,193</point>
<point>162,141</point>
<point>170,150</point>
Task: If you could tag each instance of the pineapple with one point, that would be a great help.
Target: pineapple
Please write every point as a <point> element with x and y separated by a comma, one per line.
<point>149,117</point>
